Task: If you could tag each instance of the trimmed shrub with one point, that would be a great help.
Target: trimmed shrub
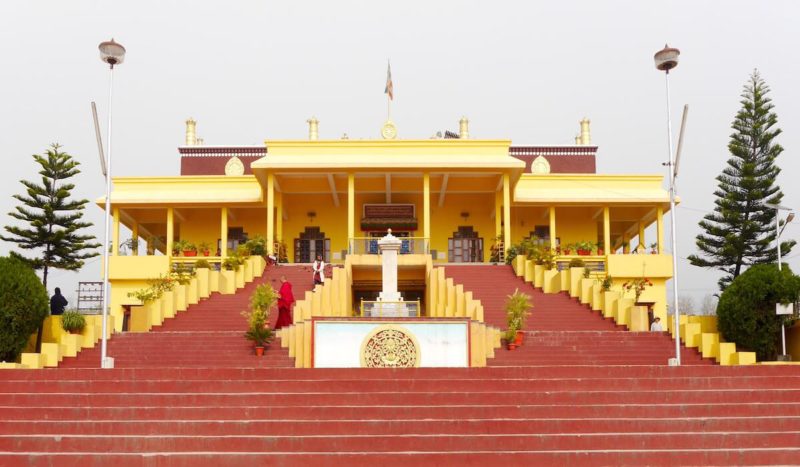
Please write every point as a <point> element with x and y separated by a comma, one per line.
<point>746,310</point>
<point>23,306</point>
<point>202,264</point>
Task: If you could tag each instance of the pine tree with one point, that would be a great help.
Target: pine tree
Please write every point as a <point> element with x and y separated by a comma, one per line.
<point>51,220</point>
<point>741,230</point>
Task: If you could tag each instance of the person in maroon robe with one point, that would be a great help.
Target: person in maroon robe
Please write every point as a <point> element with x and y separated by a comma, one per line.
<point>285,301</point>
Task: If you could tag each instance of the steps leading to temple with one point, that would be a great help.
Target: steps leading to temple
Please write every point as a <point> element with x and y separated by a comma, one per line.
<point>545,415</point>
<point>208,334</point>
<point>561,331</point>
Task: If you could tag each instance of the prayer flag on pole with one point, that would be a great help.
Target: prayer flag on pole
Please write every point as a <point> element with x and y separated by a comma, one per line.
<point>389,86</point>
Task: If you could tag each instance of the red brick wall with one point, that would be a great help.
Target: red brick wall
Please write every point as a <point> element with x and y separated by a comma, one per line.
<point>212,165</point>
<point>582,164</point>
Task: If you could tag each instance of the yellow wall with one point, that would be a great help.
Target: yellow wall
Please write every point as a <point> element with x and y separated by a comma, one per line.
<point>447,219</point>
<point>331,220</point>
<point>573,224</point>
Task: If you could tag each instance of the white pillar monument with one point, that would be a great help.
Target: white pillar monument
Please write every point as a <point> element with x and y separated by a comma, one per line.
<point>389,246</point>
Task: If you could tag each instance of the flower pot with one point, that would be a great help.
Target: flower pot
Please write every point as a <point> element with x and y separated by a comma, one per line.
<point>206,253</point>
<point>566,251</point>
<point>75,331</point>
<point>584,252</point>
<point>519,338</point>
<point>600,252</point>
<point>259,350</point>
<point>512,346</point>
<point>189,253</point>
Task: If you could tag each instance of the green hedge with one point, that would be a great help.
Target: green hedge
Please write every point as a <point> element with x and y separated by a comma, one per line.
<point>23,307</point>
<point>746,310</point>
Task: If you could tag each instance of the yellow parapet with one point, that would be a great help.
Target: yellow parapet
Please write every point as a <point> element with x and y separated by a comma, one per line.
<point>51,353</point>
<point>709,344</point>
<point>586,290</point>
<point>32,360</point>
<point>575,277</point>
<point>192,292</point>
<point>168,304</point>
<point>726,352</point>
<point>552,281</point>
<point>538,275</point>
<point>227,282</point>
<point>72,344</point>
<point>213,281</point>
<point>564,280</point>
<point>529,274</point>
<point>691,334</point>
<point>202,282</point>
<point>610,298</point>
<point>743,358</point>
<point>622,311</point>
<point>597,297</point>
<point>239,277</point>
<point>247,269</point>
<point>639,319</point>
<point>140,320</point>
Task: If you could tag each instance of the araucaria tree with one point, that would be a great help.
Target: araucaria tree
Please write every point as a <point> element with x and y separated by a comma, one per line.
<point>741,230</point>
<point>50,219</point>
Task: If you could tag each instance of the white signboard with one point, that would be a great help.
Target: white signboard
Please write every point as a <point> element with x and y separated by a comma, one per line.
<point>339,344</point>
<point>787,309</point>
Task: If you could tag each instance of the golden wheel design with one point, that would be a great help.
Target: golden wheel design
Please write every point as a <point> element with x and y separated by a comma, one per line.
<point>390,346</point>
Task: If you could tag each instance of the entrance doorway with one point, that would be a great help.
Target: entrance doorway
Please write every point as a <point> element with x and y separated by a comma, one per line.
<point>465,246</point>
<point>311,243</point>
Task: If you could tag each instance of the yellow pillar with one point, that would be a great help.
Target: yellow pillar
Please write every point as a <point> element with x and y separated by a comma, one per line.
<point>498,220</point>
<point>135,239</point>
<point>506,210</point>
<point>115,233</point>
<point>607,230</point>
<point>553,227</point>
<point>279,216</point>
<point>660,228</point>
<point>170,231</point>
<point>426,206</point>
<point>642,242</point>
<point>223,233</point>
<point>270,212</point>
<point>351,209</point>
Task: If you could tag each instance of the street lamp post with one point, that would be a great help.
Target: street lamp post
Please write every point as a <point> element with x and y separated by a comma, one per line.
<point>778,232</point>
<point>111,53</point>
<point>665,60</point>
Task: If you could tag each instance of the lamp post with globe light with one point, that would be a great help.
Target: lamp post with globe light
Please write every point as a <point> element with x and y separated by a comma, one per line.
<point>113,54</point>
<point>666,59</point>
<point>778,232</point>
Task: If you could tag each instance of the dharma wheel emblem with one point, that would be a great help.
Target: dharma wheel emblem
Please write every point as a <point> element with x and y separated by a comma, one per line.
<point>390,347</point>
<point>234,167</point>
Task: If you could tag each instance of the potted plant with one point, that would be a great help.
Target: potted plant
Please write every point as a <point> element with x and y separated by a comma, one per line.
<point>606,284</point>
<point>599,247</point>
<point>204,248</point>
<point>567,249</point>
<point>576,263</point>
<point>256,246</point>
<point>189,248</point>
<point>638,286</point>
<point>510,337</point>
<point>583,248</point>
<point>202,264</point>
<point>517,306</point>
<point>73,322</point>
<point>654,248</point>
<point>258,330</point>
<point>586,273</point>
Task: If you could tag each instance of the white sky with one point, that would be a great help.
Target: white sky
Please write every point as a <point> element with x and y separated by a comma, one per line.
<point>529,71</point>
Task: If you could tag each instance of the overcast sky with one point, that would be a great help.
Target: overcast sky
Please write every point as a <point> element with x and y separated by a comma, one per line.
<point>528,71</point>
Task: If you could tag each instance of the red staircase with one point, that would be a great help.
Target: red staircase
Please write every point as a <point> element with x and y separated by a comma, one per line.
<point>547,415</point>
<point>209,334</point>
<point>561,331</point>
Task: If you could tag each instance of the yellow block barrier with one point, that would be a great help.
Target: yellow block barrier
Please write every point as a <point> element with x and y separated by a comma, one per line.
<point>202,282</point>
<point>213,281</point>
<point>609,298</point>
<point>32,360</point>
<point>709,344</point>
<point>586,290</point>
<point>227,282</point>
<point>726,352</point>
<point>743,358</point>
<point>575,276</point>
<point>168,304</point>
<point>622,312</point>
<point>72,343</point>
<point>519,265</point>
<point>564,280</point>
<point>51,329</point>
<point>538,275</point>
<point>247,269</point>
<point>10,366</point>
<point>691,334</point>
<point>552,281</point>
<point>50,351</point>
<point>140,319</point>
<point>192,292</point>
<point>639,319</point>
<point>239,277</point>
<point>530,272</point>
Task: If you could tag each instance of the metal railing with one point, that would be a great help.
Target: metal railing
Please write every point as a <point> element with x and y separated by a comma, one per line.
<point>595,263</point>
<point>381,309</point>
<point>369,246</point>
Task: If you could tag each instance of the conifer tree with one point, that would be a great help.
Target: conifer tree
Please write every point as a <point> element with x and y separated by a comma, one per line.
<point>51,220</point>
<point>741,230</point>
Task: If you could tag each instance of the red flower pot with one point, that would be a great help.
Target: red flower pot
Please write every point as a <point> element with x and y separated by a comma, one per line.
<point>206,253</point>
<point>189,253</point>
<point>512,346</point>
<point>518,340</point>
<point>259,350</point>
<point>566,251</point>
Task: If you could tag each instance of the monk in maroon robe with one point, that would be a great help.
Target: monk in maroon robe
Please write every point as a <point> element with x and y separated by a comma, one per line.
<point>285,302</point>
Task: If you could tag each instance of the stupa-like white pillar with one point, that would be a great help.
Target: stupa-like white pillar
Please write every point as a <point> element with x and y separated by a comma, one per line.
<point>389,246</point>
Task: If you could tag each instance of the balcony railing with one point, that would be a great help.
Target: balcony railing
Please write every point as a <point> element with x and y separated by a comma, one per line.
<point>381,309</point>
<point>369,246</point>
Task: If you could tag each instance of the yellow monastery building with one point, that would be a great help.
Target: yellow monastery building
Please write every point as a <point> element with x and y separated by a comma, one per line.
<point>451,199</point>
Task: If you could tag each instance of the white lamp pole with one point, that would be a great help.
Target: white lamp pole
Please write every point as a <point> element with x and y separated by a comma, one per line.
<point>113,54</point>
<point>666,59</point>
<point>778,231</point>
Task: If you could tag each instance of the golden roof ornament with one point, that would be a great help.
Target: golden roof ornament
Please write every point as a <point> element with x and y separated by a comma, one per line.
<point>389,130</point>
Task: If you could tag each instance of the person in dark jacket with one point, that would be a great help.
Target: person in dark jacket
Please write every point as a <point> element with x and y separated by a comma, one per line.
<point>57,303</point>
